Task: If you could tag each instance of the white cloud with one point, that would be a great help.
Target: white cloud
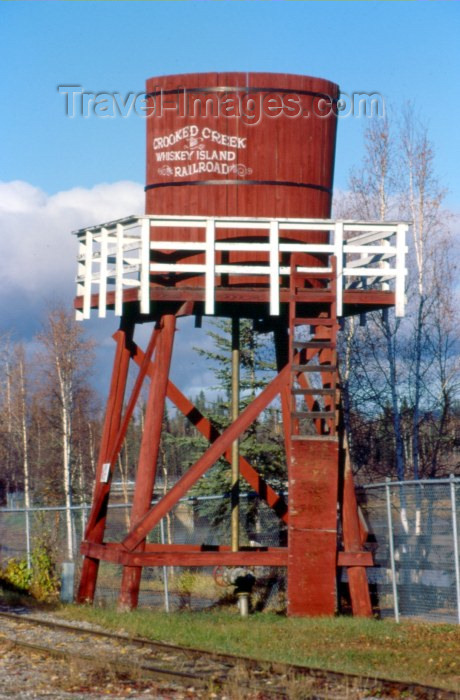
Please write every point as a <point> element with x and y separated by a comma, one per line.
<point>38,253</point>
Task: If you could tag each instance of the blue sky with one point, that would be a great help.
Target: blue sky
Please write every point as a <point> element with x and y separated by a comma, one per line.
<point>70,170</point>
<point>405,50</point>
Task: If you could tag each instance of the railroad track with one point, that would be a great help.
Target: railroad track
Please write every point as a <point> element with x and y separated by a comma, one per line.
<point>207,672</point>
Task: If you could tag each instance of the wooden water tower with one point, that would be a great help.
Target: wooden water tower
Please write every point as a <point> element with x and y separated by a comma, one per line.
<point>238,200</point>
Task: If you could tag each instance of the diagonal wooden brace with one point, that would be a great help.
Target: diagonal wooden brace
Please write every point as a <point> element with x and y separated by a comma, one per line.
<point>214,452</point>
<point>205,427</point>
<point>258,483</point>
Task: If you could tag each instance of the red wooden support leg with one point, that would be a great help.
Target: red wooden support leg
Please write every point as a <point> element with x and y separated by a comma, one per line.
<point>312,539</point>
<point>148,455</point>
<point>112,421</point>
<point>352,540</point>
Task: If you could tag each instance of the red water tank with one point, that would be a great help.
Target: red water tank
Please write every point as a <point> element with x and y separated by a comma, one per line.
<point>240,144</point>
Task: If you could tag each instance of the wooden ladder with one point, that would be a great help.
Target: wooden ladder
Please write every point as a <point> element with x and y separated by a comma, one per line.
<point>320,475</point>
<point>313,354</point>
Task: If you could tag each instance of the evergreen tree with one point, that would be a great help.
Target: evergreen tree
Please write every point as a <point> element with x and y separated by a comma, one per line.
<point>262,443</point>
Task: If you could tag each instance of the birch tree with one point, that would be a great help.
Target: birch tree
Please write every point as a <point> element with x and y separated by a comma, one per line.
<point>65,360</point>
<point>409,366</point>
<point>421,201</point>
<point>14,419</point>
<point>20,421</point>
<point>6,428</point>
<point>372,196</point>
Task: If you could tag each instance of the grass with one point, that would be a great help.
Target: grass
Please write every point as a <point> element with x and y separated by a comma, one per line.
<point>415,652</point>
<point>186,581</point>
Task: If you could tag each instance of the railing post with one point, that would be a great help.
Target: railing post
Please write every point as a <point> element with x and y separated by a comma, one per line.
<point>88,275</point>
<point>392,551</point>
<point>145,266</point>
<point>274,269</point>
<point>103,273</point>
<point>119,271</point>
<point>384,264</point>
<point>210,266</point>
<point>400,280</point>
<point>338,252</point>
<point>81,273</point>
<point>455,538</point>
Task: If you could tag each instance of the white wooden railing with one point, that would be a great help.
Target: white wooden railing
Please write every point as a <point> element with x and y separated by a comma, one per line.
<point>117,255</point>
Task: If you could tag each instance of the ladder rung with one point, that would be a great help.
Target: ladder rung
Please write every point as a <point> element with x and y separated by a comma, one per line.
<point>313,414</point>
<point>314,321</point>
<point>314,368</point>
<point>313,392</point>
<point>313,344</point>
<point>314,438</point>
<point>302,295</point>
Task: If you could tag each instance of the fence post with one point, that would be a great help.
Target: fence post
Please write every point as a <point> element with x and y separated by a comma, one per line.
<point>455,536</point>
<point>165,568</point>
<point>83,520</point>
<point>67,581</point>
<point>392,551</point>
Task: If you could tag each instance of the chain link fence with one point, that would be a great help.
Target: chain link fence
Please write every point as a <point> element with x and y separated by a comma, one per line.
<point>413,534</point>
<point>192,521</point>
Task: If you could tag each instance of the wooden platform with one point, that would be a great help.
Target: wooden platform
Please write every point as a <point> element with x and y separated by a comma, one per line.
<point>232,301</point>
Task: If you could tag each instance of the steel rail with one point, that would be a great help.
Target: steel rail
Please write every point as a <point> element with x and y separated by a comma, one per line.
<point>228,661</point>
<point>110,660</point>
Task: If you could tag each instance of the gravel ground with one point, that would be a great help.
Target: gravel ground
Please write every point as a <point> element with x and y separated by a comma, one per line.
<point>28,674</point>
<point>31,675</point>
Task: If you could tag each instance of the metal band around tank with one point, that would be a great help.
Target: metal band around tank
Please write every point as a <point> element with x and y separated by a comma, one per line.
<point>279,183</point>
<point>240,88</point>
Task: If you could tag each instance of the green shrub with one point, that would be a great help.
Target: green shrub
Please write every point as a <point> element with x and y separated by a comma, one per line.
<point>17,574</point>
<point>45,583</point>
<point>40,580</point>
<point>185,584</point>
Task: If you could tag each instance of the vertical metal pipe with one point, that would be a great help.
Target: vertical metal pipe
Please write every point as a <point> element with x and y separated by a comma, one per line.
<point>235,488</point>
<point>392,552</point>
<point>455,537</point>
<point>165,568</point>
<point>243,604</point>
<point>83,520</point>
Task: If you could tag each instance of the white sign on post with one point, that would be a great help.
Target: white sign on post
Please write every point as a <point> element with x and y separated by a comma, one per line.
<point>105,472</point>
